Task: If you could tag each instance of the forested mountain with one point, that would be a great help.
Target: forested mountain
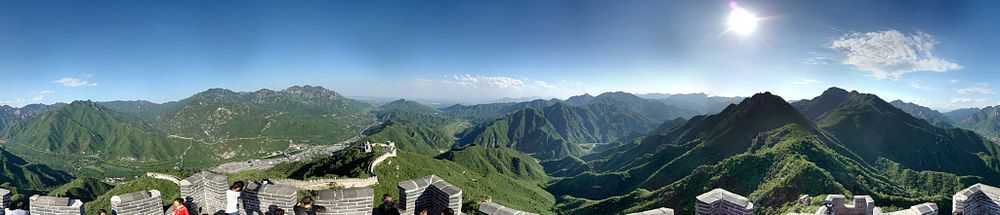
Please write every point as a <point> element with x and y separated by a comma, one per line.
<point>698,102</point>
<point>664,158</point>
<point>26,177</point>
<point>932,116</point>
<point>87,128</point>
<point>601,154</point>
<point>488,112</point>
<point>875,129</point>
<point>985,120</point>
<point>770,152</point>
<point>303,113</point>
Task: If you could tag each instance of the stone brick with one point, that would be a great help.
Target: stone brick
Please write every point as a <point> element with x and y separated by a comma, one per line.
<point>5,202</point>
<point>48,205</point>
<point>490,208</point>
<point>137,203</point>
<point>205,192</point>
<point>719,201</point>
<point>429,192</point>
<point>258,197</point>
<point>350,201</point>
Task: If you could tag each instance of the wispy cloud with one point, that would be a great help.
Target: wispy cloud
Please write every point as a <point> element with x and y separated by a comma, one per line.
<point>75,82</point>
<point>978,89</point>
<point>806,82</point>
<point>969,102</point>
<point>41,95</point>
<point>891,54</point>
<point>486,87</point>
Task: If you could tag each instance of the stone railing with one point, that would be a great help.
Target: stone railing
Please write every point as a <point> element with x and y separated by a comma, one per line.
<point>326,183</point>
<point>163,176</point>
<point>320,184</point>
<point>383,157</point>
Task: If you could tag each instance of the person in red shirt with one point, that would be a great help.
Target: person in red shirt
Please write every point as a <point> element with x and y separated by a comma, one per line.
<point>179,208</point>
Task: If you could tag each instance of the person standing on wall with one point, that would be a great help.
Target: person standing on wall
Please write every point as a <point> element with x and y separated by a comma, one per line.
<point>232,198</point>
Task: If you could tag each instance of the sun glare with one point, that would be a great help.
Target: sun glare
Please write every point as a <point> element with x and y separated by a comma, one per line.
<point>741,21</point>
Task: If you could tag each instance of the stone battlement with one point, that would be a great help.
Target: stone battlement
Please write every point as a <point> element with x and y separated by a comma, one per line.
<point>719,201</point>
<point>50,205</point>
<point>137,203</point>
<point>350,201</point>
<point>429,192</point>
<point>490,208</point>
<point>205,192</point>
<point>865,205</point>
<point>259,197</point>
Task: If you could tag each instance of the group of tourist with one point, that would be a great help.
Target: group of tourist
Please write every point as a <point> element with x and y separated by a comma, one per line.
<point>389,207</point>
<point>232,207</point>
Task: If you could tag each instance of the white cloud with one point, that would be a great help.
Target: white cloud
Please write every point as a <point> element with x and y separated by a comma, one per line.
<point>481,81</point>
<point>978,89</point>
<point>470,88</point>
<point>968,101</point>
<point>891,54</point>
<point>75,82</point>
<point>806,82</point>
<point>42,95</point>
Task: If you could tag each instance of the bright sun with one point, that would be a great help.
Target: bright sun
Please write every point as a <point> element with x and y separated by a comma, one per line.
<point>741,21</point>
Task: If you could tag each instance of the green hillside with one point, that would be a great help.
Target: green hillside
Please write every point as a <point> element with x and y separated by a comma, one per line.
<point>416,127</point>
<point>875,129</point>
<point>87,129</point>
<point>168,192</point>
<point>527,131</point>
<point>25,177</point>
<point>931,116</point>
<point>661,159</point>
<point>300,113</point>
<point>84,189</point>
<point>502,161</point>
<point>986,120</point>
<point>781,165</point>
<point>404,105</point>
<point>476,186</point>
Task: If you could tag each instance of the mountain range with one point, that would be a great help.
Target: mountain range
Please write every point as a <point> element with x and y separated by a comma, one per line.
<point>606,154</point>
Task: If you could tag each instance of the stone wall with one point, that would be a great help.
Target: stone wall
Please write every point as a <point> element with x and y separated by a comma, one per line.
<point>429,192</point>
<point>658,211</point>
<point>862,205</point>
<point>921,209</point>
<point>719,201</point>
<point>137,203</point>
<point>5,202</point>
<point>326,183</point>
<point>350,201</point>
<point>977,199</point>
<point>205,192</point>
<point>490,208</point>
<point>48,205</point>
<point>258,197</point>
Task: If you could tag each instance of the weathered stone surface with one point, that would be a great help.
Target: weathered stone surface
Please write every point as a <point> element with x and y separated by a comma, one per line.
<point>490,208</point>
<point>205,192</point>
<point>429,192</point>
<point>658,211</point>
<point>719,201</point>
<point>977,199</point>
<point>5,202</point>
<point>265,197</point>
<point>350,201</point>
<point>48,205</point>
<point>137,203</point>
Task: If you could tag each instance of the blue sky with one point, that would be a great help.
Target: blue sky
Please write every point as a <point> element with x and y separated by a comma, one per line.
<point>936,53</point>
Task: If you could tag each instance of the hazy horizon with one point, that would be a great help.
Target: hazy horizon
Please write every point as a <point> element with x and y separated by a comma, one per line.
<point>936,54</point>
